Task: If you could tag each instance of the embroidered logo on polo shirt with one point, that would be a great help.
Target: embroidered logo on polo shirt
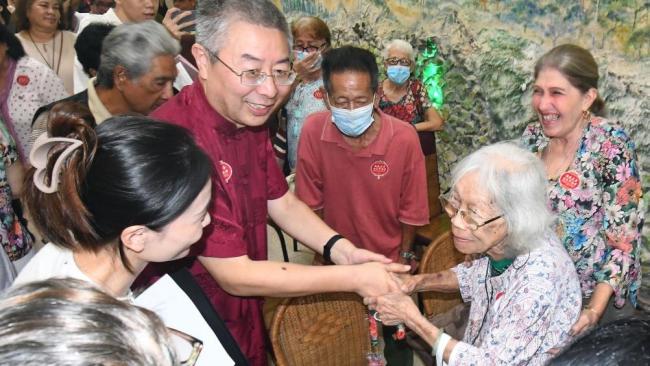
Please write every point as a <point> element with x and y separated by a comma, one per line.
<point>570,180</point>
<point>22,80</point>
<point>379,168</point>
<point>226,170</point>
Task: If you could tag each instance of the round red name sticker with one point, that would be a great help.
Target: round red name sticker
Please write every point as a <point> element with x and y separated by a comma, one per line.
<point>226,170</point>
<point>379,168</point>
<point>318,94</point>
<point>570,180</point>
<point>22,80</point>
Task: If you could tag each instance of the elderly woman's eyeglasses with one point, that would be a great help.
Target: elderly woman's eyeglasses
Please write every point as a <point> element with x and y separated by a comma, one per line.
<point>401,61</point>
<point>187,347</point>
<point>452,210</point>
<point>309,48</point>
<point>257,77</point>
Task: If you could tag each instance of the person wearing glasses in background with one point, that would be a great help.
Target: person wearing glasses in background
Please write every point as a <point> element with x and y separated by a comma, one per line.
<point>524,290</point>
<point>311,37</point>
<point>405,98</point>
<point>67,321</point>
<point>243,57</point>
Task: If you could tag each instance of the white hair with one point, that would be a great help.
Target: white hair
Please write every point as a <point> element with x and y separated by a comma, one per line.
<point>515,180</point>
<point>399,45</point>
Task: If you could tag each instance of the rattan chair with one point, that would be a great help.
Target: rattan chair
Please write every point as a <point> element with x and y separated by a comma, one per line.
<point>321,330</point>
<point>439,256</point>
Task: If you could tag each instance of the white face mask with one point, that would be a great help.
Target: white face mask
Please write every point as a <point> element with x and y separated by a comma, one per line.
<point>355,122</point>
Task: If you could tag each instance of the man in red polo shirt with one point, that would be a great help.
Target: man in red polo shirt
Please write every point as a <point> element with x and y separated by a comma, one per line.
<point>361,169</point>
<point>242,54</point>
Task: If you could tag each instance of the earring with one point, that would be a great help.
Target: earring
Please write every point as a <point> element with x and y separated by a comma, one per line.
<point>586,115</point>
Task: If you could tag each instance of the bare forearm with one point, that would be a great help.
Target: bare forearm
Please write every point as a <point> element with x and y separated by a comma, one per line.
<point>278,279</point>
<point>600,298</point>
<point>445,281</point>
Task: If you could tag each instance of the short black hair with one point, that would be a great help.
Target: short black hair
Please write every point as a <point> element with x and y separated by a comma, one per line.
<point>89,45</point>
<point>626,342</point>
<point>349,58</point>
<point>15,49</point>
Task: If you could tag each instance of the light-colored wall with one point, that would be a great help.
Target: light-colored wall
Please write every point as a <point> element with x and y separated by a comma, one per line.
<point>489,48</point>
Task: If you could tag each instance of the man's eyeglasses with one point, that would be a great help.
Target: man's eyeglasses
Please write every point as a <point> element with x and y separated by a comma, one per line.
<point>467,218</point>
<point>308,49</point>
<point>257,77</point>
<point>401,61</point>
<point>187,347</point>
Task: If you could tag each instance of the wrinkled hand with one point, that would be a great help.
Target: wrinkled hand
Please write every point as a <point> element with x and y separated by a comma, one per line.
<point>393,308</point>
<point>587,320</point>
<point>308,66</point>
<point>408,284</point>
<point>374,279</point>
<point>172,22</point>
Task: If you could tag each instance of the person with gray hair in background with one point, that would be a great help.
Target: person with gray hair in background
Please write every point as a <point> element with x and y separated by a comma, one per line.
<point>524,290</point>
<point>62,322</point>
<point>135,75</point>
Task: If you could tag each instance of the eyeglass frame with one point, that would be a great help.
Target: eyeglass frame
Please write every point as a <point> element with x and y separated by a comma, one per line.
<point>261,79</point>
<point>197,346</point>
<point>309,49</point>
<point>446,203</point>
<point>393,61</point>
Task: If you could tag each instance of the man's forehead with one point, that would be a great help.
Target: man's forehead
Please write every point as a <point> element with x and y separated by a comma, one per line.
<point>250,41</point>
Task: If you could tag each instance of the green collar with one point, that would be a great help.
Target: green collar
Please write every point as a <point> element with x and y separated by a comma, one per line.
<point>500,266</point>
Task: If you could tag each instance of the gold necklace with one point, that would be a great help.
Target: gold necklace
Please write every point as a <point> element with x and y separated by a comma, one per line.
<point>51,66</point>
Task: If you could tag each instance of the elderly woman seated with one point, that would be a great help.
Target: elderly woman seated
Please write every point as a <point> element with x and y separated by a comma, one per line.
<point>523,288</point>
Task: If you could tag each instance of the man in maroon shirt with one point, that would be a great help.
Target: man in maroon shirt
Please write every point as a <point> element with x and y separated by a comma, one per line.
<point>242,54</point>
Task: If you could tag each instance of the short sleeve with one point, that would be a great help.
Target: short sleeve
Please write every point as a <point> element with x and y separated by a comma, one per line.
<point>414,205</point>
<point>421,96</point>
<point>276,182</point>
<point>467,277</point>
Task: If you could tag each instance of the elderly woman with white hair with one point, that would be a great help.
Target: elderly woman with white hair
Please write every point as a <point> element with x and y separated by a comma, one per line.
<point>524,290</point>
<point>405,98</point>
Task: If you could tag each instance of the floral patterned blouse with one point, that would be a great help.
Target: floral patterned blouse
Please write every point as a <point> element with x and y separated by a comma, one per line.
<point>600,207</point>
<point>413,105</point>
<point>517,317</point>
<point>305,100</point>
<point>15,239</point>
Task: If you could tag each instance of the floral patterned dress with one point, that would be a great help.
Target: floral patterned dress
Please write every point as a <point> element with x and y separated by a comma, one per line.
<point>15,239</point>
<point>518,316</point>
<point>412,109</point>
<point>599,203</point>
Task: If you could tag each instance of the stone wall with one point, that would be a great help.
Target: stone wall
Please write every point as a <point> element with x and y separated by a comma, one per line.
<point>488,49</point>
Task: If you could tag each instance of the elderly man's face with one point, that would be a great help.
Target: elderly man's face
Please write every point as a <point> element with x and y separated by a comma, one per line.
<point>350,90</point>
<point>152,89</point>
<point>472,199</point>
<point>138,10</point>
<point>247,47</point>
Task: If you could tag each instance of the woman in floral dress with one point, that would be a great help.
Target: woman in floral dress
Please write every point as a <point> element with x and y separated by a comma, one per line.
<point>593,182</point>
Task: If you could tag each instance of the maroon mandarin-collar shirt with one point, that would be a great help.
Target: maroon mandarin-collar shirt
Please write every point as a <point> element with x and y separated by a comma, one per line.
<point>246,177</point>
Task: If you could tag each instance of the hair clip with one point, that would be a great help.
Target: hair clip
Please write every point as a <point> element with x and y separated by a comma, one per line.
<point>39,156</point>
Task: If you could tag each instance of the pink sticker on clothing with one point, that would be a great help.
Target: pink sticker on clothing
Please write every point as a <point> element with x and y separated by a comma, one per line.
<point>226,170</point>
<point>22,80</point>
<point>379,168</point>
<point>570,180</point>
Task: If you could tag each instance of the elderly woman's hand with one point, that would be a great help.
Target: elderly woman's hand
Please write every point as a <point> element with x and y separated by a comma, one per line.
<point>308,66</point>
<point>393,308</point>
<point>587,320</point>
<point>407,283</point>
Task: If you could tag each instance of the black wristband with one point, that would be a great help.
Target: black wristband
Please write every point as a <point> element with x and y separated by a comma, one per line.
<point>327,249</point>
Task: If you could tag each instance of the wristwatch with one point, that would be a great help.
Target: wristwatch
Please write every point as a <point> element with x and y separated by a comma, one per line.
<point>408,255</point>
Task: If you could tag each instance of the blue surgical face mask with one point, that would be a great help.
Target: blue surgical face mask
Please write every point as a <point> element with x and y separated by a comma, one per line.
<point>300,55</point>
<point>355,122</point>
<point>398,74</point>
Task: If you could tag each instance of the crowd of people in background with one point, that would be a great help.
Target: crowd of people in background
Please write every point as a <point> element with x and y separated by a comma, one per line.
<point>141,139</point>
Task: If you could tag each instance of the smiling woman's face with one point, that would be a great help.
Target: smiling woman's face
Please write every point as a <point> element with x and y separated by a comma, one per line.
<point>472,199</point>
<point>44,14</point>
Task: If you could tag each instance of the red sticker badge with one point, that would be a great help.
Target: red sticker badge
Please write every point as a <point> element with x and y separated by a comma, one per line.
<point>570,180</point>
<point>318,94</point>
<point>226,170</point>
<point>379,168</point>
<point>22,80</point>
<point>499,294</point>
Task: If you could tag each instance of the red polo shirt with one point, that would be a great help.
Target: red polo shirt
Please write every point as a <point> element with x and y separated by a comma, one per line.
<point>365,194</point>
<point>246,177</point>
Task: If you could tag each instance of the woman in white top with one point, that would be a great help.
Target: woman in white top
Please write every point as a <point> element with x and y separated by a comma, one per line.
<point>40,30</point>
<point>114,198</point>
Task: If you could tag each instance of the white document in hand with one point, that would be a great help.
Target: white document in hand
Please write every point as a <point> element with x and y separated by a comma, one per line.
<point>177,311</point>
